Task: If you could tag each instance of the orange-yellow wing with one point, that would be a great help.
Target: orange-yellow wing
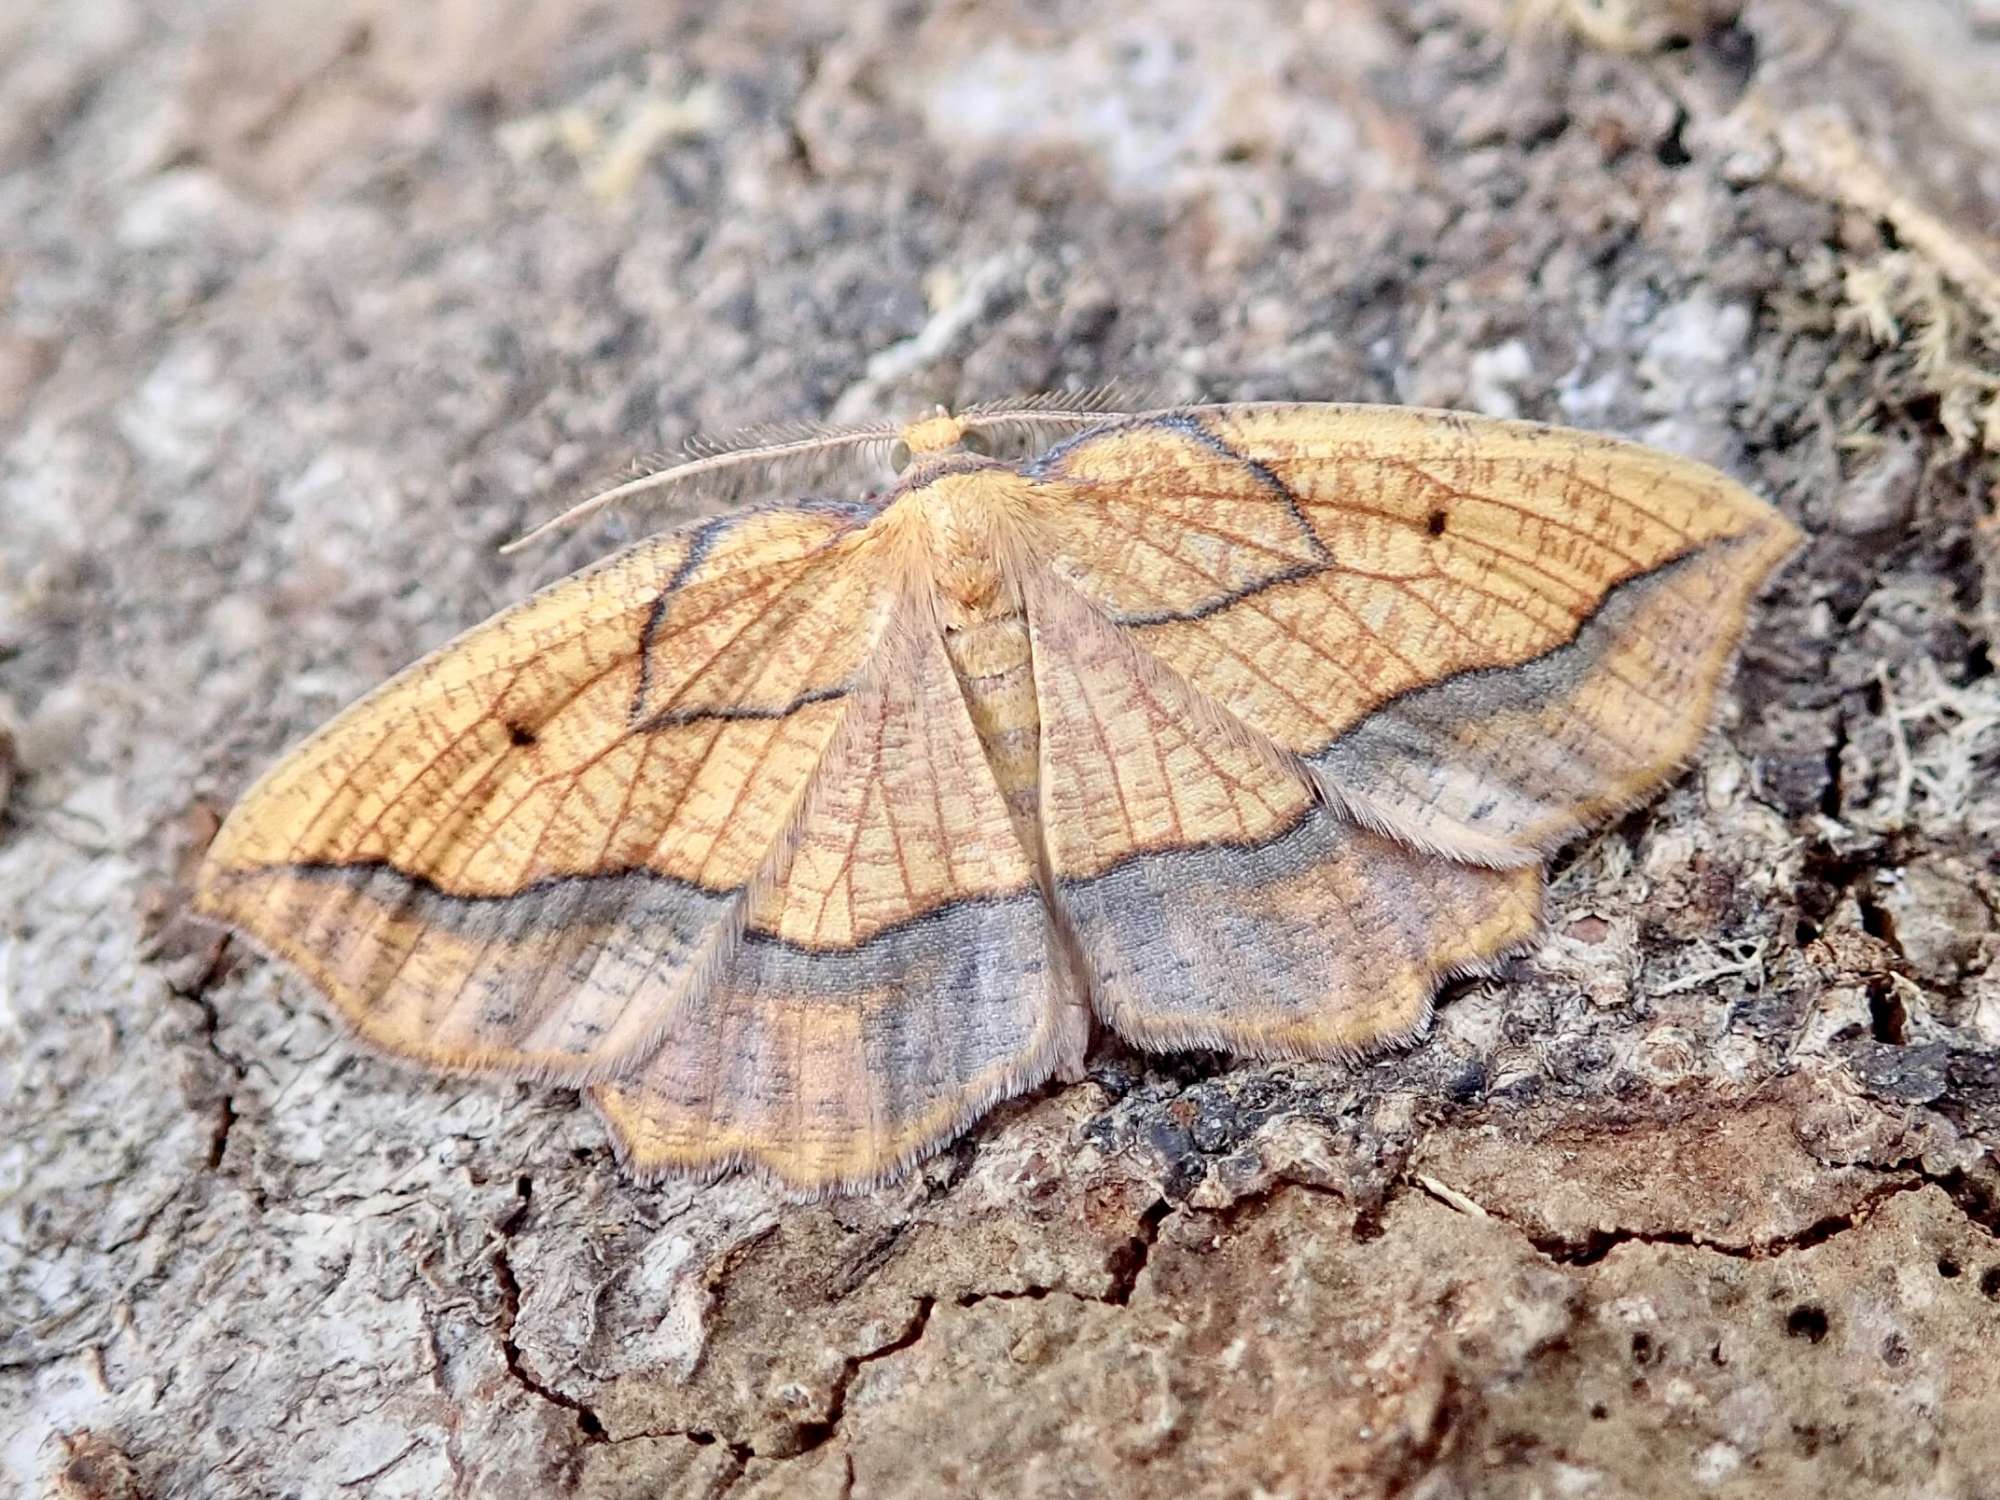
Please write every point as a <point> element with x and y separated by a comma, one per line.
<point>512,854</point>
<point>1215,897</point>
<point>1481,635</point>
<point>897,972</point>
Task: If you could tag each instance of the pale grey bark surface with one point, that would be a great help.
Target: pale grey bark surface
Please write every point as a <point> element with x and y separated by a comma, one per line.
<point>304,309</point>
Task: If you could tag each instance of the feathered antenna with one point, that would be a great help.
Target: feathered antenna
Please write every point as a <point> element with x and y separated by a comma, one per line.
<point>704,457</point>
<point>1057,408</point>
<point>1056,413</point>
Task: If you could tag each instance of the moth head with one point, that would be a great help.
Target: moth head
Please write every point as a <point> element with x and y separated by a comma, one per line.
<point>939,435</point>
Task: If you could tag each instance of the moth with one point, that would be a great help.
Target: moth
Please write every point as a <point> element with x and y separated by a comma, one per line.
<point>802,835</point>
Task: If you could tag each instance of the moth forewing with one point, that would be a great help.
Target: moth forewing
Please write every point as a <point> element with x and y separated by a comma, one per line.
<point>806,833</point>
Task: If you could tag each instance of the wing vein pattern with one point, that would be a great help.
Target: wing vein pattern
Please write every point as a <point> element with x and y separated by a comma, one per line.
<point>801,835</point>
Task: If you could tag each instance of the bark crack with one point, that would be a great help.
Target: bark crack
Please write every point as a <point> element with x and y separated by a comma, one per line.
<point>813,1435</point>
<point>1599,1243</point>
<point>588,1424</point>
<point>209,1029</point>
<point>379,1470</point>
<point>1125,1266</point>
<point>1975,1203</point>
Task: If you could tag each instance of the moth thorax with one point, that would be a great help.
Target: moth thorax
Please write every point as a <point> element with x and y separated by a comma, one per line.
<point>965,517</point>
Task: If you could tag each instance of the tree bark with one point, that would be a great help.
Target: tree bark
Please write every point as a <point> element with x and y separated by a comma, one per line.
<point>304,309</point>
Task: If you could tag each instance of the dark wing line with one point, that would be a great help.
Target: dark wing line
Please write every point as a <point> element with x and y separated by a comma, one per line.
<point>1504,669</point>
<point>446,902</point>
<point>705,538</point>
<point>1048,466</point>
<point>1202,433</point>
<point>442,906</point>
<point>674,718</point>
<point>698,550</point>
<point>1188,423</point>
<point>1220,602</point>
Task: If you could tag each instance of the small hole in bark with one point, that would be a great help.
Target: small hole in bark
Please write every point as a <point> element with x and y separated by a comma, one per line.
<point>1435,523</point>
<point>1947,1267</point>
<point>1888,1021</point>
<point>1599,1412</point>
<point>1807,1322</point>
<point>1989,1282</point>
<point>1672,150</point>
<point>1642,1348</point>
<point>520,734</point>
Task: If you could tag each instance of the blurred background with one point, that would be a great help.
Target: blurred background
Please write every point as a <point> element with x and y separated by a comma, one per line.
<point>304,309</point>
